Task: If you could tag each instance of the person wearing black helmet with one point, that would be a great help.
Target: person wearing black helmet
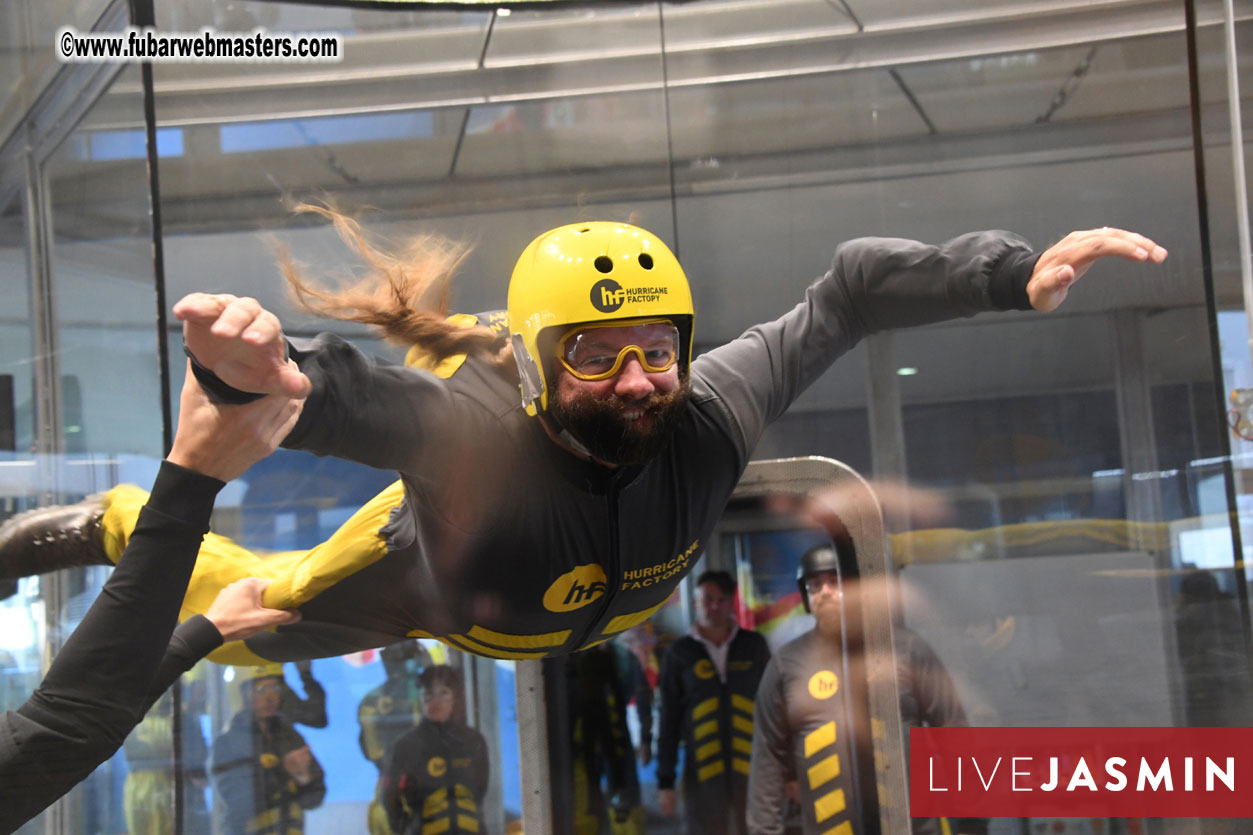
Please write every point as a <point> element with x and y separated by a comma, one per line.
<point>803,726</point>
<point>561,465</point>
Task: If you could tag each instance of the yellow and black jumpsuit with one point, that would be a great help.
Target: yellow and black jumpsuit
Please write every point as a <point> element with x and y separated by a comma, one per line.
<point>385,714</point>
<point>805,732</point>
<point>435,779</point>
<point>500,543</point>
<point>600,747</point>
<point>146,797</point>
<point>713,719</point>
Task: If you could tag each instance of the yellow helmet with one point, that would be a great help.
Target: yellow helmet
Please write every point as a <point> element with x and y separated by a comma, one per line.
<point>588,273</point>
<point>247,675</point>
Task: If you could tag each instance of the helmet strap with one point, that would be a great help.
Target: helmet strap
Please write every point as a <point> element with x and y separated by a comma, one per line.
<point>559,433</point>
<point>532,380</point>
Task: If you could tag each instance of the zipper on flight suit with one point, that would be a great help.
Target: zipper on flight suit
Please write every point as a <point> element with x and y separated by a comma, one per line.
<point>612,569</point>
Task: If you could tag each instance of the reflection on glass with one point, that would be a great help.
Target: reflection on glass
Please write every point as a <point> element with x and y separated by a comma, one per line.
<point>21,610</point>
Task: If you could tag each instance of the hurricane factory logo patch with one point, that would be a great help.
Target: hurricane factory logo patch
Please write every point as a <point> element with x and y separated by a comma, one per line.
<point>607,295</point>
<point>575,589</point>
<point>436,766</point>
<point>823,684</point>
<point>704,668</point>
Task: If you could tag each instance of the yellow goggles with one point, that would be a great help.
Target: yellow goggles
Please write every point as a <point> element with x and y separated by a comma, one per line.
<point>591,352</point>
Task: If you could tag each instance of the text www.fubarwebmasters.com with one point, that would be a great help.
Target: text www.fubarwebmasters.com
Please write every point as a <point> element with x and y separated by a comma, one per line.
<point>207,45</point>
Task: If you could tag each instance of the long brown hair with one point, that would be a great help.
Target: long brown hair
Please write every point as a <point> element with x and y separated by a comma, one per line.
<point>404,296</point>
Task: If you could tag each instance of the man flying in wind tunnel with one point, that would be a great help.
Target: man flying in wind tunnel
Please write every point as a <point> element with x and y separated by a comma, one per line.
<point>539,524</point>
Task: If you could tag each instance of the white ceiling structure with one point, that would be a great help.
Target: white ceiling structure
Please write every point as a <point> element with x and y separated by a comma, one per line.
<point>754,134</point>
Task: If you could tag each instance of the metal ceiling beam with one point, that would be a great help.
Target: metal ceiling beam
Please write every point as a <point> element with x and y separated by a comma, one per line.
<point>380,82</point>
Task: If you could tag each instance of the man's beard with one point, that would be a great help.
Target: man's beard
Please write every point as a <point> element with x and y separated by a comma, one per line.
<point>600,426</point>
<point>826,612</point>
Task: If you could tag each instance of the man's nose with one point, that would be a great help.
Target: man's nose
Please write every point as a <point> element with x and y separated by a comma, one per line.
<point>632,382</point>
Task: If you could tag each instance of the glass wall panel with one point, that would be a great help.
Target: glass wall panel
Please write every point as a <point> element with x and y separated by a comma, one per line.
<point>27,60</point>
<point>1071,450</point>
<point>103,411</point>
<point>23,633</point>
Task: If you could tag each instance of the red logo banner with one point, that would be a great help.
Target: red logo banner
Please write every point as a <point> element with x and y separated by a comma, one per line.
<point>1081,772</point>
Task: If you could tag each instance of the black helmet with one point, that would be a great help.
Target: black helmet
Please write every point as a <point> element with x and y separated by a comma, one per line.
<point>835,556</point>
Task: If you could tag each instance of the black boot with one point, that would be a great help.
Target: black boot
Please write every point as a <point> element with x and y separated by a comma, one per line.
<point>48,538</point>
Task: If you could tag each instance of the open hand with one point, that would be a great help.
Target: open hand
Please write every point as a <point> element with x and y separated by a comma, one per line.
<point>1066,261</point>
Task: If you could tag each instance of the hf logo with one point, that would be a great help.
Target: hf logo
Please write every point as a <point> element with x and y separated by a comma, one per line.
<point>823,684</point>
<point>704,668</point>
<point>575,589</point>
<point>607,295</point>
<point>436,767</point>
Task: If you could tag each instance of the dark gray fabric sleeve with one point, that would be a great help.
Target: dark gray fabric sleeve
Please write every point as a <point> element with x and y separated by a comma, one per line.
<point>98,686</point>
<point>363,409</point>
<point>874,284</point>
<point>768,769</point>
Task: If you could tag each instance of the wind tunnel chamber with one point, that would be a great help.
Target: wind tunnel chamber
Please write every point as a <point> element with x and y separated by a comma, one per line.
<point>1085,563</point>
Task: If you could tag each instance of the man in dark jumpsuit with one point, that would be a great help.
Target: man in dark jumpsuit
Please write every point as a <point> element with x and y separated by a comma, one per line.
<point>600,746</point>
<point>709,680</point>
<point>538,525</point>
<point>122,656</point>
<point>805,723</point>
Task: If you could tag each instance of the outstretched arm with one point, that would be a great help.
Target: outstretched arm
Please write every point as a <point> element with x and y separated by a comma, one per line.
<point>98,685</point>
<point>236,613</point>
<point>239,353</point>
<point>878,284</point>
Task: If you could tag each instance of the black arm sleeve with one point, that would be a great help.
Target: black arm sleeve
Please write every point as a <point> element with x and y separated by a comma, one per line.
<point>99,685</point>
<point>311,710</point>
<point>670,726</point>
<point>482,768</point>
<point>192,640</point>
